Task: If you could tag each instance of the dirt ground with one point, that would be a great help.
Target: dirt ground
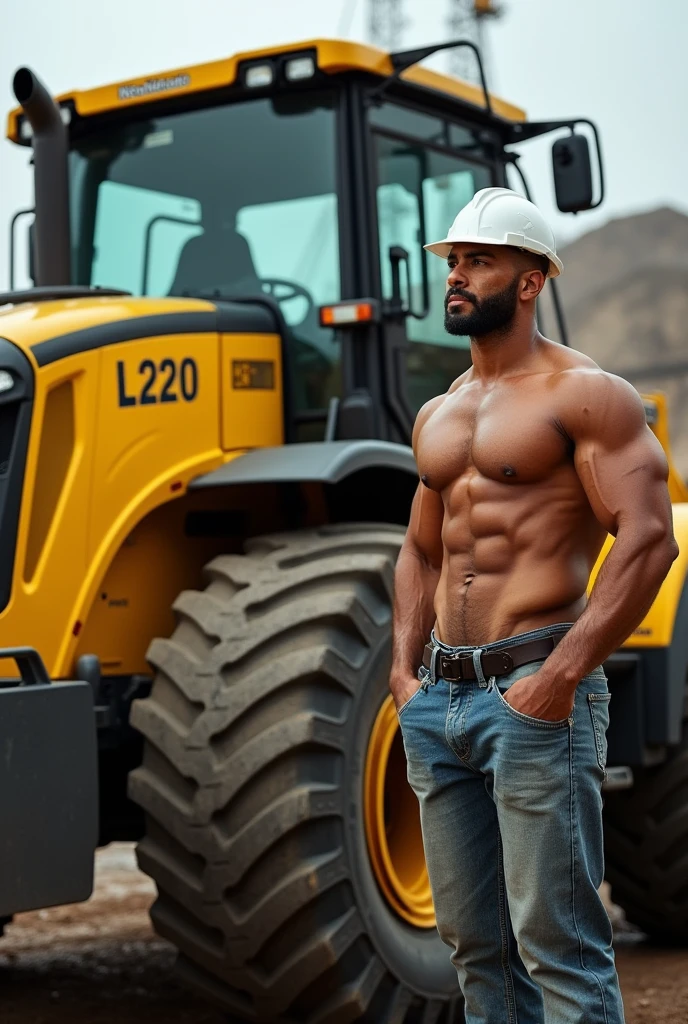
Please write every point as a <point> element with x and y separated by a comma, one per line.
<point>99,963</point>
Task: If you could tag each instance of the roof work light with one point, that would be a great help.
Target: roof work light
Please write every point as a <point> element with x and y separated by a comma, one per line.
<point>299,68</point>
<point>259,76</point>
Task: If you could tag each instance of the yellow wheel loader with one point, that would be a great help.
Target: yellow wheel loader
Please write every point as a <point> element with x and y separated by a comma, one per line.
<point>206,404</point>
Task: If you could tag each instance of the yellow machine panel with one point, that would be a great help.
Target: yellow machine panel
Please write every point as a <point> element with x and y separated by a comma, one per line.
<point>252,400</point>
<point>118,432</point>
<point>49,576</point>
<point>158,559</point>
<point>656,405</point>
<point>158,417</point>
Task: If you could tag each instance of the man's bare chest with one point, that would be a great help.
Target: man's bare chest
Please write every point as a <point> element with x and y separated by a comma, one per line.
<point>509,438</point>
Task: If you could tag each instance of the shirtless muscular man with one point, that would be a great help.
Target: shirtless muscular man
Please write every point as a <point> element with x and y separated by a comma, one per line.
<point>526,463</point>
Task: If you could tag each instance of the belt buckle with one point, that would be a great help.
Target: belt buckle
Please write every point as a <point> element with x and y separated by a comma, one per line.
<point>460,660</point>
<point>451,659</point>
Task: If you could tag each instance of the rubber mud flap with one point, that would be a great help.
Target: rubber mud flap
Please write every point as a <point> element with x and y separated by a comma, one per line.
<point>48,795</point>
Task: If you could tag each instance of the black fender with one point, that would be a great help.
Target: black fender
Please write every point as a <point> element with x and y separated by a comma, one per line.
<point>324,461</point>
<point>362,480</point>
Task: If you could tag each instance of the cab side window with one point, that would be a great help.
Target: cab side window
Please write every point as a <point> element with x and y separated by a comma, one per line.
<point>422,183</point>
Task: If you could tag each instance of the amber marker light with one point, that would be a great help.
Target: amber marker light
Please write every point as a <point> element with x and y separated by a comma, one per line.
<point>362,311</point>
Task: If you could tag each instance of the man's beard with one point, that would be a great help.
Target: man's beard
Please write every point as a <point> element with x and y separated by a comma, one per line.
<point>493,313</point>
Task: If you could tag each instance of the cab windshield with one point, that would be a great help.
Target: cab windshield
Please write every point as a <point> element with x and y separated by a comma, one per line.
<point>235,200</point>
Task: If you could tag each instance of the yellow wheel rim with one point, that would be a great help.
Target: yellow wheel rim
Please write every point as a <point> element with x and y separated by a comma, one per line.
<point>392,823</point>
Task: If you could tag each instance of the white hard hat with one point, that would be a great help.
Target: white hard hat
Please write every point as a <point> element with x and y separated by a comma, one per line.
<point>500,216</point>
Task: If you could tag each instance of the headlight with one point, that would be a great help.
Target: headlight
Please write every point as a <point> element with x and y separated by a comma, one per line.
<point>6,381</point>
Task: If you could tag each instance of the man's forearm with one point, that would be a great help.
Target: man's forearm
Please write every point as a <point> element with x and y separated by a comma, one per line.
<point>629,580</point>
<point>415,584</point>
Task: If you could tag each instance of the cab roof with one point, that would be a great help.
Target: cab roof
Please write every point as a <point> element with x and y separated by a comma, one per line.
<point>333,57</point>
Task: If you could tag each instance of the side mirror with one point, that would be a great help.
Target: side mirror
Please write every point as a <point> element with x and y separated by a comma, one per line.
<point>572,171</point>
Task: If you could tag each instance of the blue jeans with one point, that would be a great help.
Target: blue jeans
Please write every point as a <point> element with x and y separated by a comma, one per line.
<point>511,812</point>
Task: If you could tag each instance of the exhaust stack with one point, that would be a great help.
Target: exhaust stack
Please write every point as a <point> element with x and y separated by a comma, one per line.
<point>51,234</point>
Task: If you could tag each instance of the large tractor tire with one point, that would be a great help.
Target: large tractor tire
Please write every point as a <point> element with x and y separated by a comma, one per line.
<point>281,833</point>
<point>646,846</point>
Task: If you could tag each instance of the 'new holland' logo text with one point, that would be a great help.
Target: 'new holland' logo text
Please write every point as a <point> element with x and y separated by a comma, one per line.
<point>153,85</point>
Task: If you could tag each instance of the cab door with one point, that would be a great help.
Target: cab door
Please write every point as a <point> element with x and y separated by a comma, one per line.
<point>427,167</point>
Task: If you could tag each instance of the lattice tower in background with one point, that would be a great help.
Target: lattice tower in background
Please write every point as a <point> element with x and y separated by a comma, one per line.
<point>386,23</point>
<point>466,20</point>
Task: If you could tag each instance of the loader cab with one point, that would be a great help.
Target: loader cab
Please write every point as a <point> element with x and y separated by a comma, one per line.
<point>304,182</point>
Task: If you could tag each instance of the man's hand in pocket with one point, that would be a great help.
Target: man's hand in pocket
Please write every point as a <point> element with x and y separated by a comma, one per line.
<point>403,688</point>
<point>538,698</point>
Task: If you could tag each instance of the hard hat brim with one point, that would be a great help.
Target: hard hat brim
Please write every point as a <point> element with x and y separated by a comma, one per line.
<point>445,246</point>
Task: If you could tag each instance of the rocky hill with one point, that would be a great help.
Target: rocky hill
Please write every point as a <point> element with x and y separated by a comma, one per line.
<point>625,293</point>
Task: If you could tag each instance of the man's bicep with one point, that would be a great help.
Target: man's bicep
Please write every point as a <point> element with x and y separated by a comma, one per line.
<point>624,484</point>
<point>619,461</point>
<point>425,525</point>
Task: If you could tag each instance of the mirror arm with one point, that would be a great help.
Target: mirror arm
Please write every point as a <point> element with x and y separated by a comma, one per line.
<point>404,59</point>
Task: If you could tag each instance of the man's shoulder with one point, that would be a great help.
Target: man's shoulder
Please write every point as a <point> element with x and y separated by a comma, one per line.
<point>563,359</point>
<point>590,398</point>
<point>583,378</point>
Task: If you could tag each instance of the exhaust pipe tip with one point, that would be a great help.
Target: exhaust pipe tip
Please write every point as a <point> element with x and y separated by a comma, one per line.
<point>23,85</point>
<point>40,108</point>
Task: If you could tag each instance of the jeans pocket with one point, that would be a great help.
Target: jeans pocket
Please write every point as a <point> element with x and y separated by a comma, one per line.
<point>599,713</point>
<point>541,723</point>
<point>406,704</point>
<point>423,674</point>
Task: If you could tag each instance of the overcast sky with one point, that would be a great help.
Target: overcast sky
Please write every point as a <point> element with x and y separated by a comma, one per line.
<point>622,63</point>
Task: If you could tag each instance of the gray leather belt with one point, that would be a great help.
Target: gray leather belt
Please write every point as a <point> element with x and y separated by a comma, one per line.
<point>495,663</point>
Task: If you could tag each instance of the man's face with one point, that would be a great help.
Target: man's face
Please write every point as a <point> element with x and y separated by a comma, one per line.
<point>482,289</point>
